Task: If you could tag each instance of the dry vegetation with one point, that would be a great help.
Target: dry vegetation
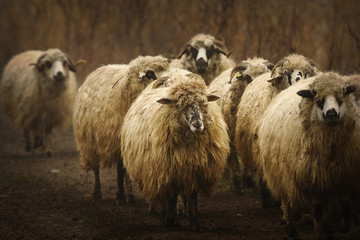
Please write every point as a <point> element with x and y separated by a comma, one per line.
<point>109,31</point>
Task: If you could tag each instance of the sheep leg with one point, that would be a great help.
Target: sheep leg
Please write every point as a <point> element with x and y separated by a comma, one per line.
<point>288,217</point>
<point>322,226</point>
<point>128,186</point>
<point>47,142</point>
<point>267,200</point>
<point>346,216</point>
<point>193,213</point>
<point>235,171</point>
<point>185,206</point>
<point>120,195</point>
<point>247,178</point>
<point>27,140</point>
<point>38,142</point>
<point>97,187</point>
<point>152,208</point>
<point>168,214</point>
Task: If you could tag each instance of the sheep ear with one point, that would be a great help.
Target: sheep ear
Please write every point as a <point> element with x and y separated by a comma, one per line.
<point>305,94</point>
<point>269,65</point>
<point>275,80</point>
<point>159,82</point>
<point>349,89</point>
<point>279,64</point>
<point>212,97</point>
<point>238,69</point>
<point>183,51</point>
<point>70,63</point>
<point>39,65</point>
<point>165,101</point>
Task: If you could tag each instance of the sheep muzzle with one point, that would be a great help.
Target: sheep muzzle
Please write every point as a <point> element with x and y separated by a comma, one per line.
<point>59,77</point>
<point>201,65</point>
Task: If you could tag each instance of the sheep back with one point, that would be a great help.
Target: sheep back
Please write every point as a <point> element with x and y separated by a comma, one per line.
<point>256,97</point>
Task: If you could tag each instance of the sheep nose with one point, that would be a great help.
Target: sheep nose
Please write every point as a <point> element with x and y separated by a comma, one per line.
<point>59,76</point>
<point>201,65</point>
<point>332,114</point>
<point>197,127</point>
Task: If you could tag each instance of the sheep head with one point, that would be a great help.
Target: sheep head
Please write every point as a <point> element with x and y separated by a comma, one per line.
<point>249,69</point>
<point>147,68</point>
<point>55,65</point>
<point>201,52</point>
<point>328,95</point>
<point>189,98</point>
<point>292,69</point>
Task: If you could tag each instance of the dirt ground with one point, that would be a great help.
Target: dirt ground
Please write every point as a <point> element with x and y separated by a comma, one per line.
<point>49,198</point>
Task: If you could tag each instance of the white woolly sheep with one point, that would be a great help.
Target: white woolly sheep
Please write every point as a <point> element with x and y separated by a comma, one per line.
<point>309,149</point>
<point>230,86</point>
<point>257,96</point>
<point>204,55</point>
<point>100,108</point>
<point>175,142</point>
<point>37,92</point>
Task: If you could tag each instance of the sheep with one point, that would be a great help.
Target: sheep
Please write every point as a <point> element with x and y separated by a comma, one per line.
<point>309,149</point>
<point>100,107</point>
<point>257,96</point>
<point>205,55</point>
<point>175,142</point>
<point>230,85</point>
<point>37,92</point>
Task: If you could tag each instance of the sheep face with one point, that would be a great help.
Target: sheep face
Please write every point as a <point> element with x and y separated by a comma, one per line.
<point>294,76</point>
<point>328,100</point>
<point>146,76</point>
<point>292,69</point>
<point>190,110</point>
<point>54,65</point>
<point>202,53</point>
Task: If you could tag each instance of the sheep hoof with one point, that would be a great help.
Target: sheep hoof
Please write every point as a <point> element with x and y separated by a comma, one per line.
<point>130,199</point>
<point>195,225</point>
<point>297,215</point>
<point>237,185</point>
<point>345,228</point>
<point>248,182</point>
<point>27,148</point>
<point>152,210</point>
<point>49,154</point>
<point>96,195</point>
<point>291,232</point>
<point>168,221</point>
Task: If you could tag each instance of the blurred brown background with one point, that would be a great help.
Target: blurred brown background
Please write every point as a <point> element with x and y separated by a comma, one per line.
<point>116,31</point>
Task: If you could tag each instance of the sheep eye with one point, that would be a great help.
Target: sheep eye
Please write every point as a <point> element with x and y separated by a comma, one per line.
<point>209,53</point>
<point>320,103</point>
<point>150,74</point>
<point>48,64</point>
<point>64,63</point>
<point>193,51</point>
<point>339,102</point>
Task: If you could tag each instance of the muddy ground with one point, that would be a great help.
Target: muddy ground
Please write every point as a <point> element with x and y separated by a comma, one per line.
<point>49,198</point>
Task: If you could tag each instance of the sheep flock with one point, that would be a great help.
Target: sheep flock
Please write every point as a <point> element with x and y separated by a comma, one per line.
<point>170,126</point>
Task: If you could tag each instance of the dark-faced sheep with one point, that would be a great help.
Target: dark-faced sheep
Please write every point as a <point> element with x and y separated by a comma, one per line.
<point>204,55</point>
<point>230,86</point>
<point>100,108</point>
<point>309,145</point>
<point>257,96</point>
<point>175,142</point>
<point>37,92</point>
